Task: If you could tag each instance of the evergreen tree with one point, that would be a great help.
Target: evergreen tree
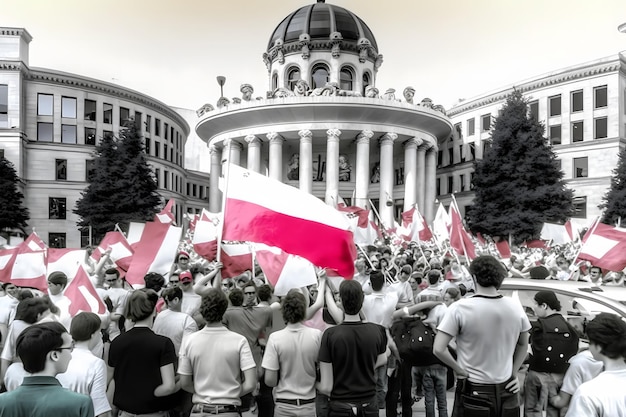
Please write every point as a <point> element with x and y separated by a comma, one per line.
<point>614,201</point>
<point>12,213</point>
<point>122,188</point>
<point>518,185</point>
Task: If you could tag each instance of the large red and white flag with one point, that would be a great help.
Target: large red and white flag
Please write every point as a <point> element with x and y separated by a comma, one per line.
<point>25,265</point>
<point>82,294</point>
<point>284,271</point>
<point>166,215</point>
<point>503,248</point>
<point>236,258</point>
<point>205,235</point>
<point>66,260</point>
<point>414,226</point>
<point>441,224</point>
<point>262,210</point>
<point>460,240</point>
<point>154,252</point>
<point>121,251</point>
<point>605,246</point>
<point>135,230</point>
<point>555,233</point>
<point>364,230</point>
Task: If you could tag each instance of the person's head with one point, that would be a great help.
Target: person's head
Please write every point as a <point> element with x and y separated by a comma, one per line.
<point>546,303</point>
<point>294,307</point>
<point>434,276</point>
<point>213,305</point>
<point>607,336</point>
<point>173,298</point>
<point>23,294</point>
<point>85,327</point>
<point>405,273</point>
<point>186,281</point>
<point>227,285</point>
<point>45,347</point>
<point>360,266</point>
<point>415,280</point>
<point>141,304</point>
<point>112,278</point>
<point>265,293</point>
<point>387,253</point>
<point>351,295</point>
<point>377,279</point>
<point>154,281</point>
<point>56,282</point>
<point>595,273</point>
<point>174,280</point>
<point>487,271</point>
<point>31,310</point>
<point>236,297</point>
<point>562,263</point>
<point>249,293</point>
<point>451,295</point>
<point>182,260</point>
<point>10,289</point>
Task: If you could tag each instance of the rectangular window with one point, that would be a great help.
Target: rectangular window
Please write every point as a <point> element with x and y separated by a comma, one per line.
<point>148,122</point>
<point>107,133</point>
<point>90,136</point>
<point>90,110</point>
<point>56,208</point>
<point>577,131</point>
<point>462,181</point>
<point>166,130</point>
<point>450,156</point>
<point>4,106</point>
<point>439,157</point>
<point>600,128</point>
<point>166,179</point>
<point>471,127</point>
<point>148,142</point>
<point>84,237</point>
<point>580,207</point>
<point>68,133</point>
<point>107,113</point>
<point>172,134</point>
<point>165,151</point>
<point>90,169</point>
<point>600,98</point>
<point>577,101</point>
<point>458,130</point>
<point>194,189</point>
<point>485,123</point>
<point>171,154</point>
<point>157,177</point>
<point>124,116</point>
<point>60,169</point>
<point>157,146</point>
<point>45,104</point>
<point>555,135</point>
<point>533,109</point>
<point>399,175</point>
<point>157,127</point>
<point>580,168</point>
<point>138,121</point>
<point>557,163</point>
<point>438,186</point>
<point>68,107</point>
<point>450,184</point>
<point>56,240</point>
<point>45,132</point>
<point>471,149</point>
<point>554,105</point>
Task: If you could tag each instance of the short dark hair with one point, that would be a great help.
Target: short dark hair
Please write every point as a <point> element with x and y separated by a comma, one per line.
<point>112,271</point>
<point>454,293</point>
<point>265,292</point>
<point>609,332</point>
<point>28,310</point>
<point>140,304</point>
<point>58,277</point>
<point>84,324</point>
<point>171,293</point>
<point>36,341</point>
<point>236,297</point>
<point>294,307</point>
<point>351,294</point>
<point>213,305</point>
<point>434,276</point>
<point>595,267</point>
<point>488,271</point>
<point>406,269</point>
<point>249,283</point>
<point>154,281</point>
<point>377,279</point>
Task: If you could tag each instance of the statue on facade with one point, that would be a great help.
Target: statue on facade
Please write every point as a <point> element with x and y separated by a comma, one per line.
<point>204,109</point>
<point>279,51</point>
<point>236,100</point>
<point>305,40</point>
<point>293,168</point>
<point>222,102</point>
<point>409,93</point>
<point>281,92</point>
<point>426,102</point>
<point>390,94</point>
<point>440,108</point>
<point>335,39</point>
<point>371,91</point>
<point>330,89</point>
<point>344,168</point>
<point>301,88</point>
<point>267,61</point>
<point>364,46</point>
<point>375,178</point>
<point>246,92</point>
<point>378,62</point>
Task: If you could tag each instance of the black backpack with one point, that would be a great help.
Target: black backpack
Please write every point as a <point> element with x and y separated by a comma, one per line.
<point>561,343</point>
<point>414,340</point>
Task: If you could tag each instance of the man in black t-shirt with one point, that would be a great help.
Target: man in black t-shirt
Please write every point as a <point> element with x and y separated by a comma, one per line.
<point>349,354</point>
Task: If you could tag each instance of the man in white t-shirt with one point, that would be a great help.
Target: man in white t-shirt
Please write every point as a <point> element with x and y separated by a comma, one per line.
<point>172,322</point>
<point>117,295</point>
<point>582,368</point>
<point>292,353</point>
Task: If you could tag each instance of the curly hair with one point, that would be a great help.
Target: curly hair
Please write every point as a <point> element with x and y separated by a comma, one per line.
<point>487,271</point>
<point>609,332</point>
<point>294,307</point>
<point>213,305</point>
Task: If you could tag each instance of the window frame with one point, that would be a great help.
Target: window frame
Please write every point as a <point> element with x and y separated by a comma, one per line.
<point>584,170</point>
<point>40,96</point>
<point>552,107</point>
<point>573,101</point>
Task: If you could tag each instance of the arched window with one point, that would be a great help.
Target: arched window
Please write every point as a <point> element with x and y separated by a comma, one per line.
<point>366,81</point>
<point>319,76</point>
<point>293,76</point>
<point>346,79</point>
<point>274,81</point>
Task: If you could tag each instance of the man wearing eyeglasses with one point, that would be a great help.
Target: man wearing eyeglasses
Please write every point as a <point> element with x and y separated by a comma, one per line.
<point>45,350</point>
<point>118,295</point>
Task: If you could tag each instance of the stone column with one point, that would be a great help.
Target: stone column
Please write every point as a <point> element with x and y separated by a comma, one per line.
<point>421,175</point>
<point>386,178</point>
<point>254,153</point>
<point>332,166</point>
<point>232,151</point>
<point>431,178</point>
<point>215,195</point>
<point>410,172</point>
<point>305,174</point>
<point>276,155</point>
<point>362,168</point>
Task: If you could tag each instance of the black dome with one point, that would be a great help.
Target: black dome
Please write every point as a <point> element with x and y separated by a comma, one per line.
<point>319,20</point>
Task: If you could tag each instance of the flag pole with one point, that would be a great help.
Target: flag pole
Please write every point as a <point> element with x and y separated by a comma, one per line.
<point>376,213</point>
<point>220,229</point>
<point>369,261</point>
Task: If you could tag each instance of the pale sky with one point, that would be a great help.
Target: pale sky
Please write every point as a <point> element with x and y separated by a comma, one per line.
<point>446,49</point>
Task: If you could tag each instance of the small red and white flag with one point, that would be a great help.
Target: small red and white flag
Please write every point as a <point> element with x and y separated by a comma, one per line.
<point>236,258</point>
<point>503,249</point>
<point>284,271</point>
<point>460,240</point>
<point>556,233</point>
<point>414,226</point>
<point>364,230</point>
<point>66,260</point>
<point>605,246</point>
<point>82,294</point>
<point>441,224</point>
<point>154,252</point>
<point>262,210</point>
<point>205,235</point>
<point>25,265</point>
<point>121,251</point>
<point>166,215</point>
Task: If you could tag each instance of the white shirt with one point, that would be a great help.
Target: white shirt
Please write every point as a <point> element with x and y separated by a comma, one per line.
<point>378,307</point>
<point>175,325</point>
<point>582,368</point>
<point>118,298</point>
<point>603,396</point>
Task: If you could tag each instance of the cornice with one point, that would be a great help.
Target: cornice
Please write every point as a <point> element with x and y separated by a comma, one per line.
<point>16,32</point>
<point>567,75</point>
<point>13,66</point>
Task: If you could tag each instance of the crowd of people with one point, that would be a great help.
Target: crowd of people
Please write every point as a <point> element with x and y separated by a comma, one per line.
<point>412,324</point>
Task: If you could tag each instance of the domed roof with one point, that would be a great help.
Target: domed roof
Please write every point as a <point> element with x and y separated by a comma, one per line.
<point>319,20</point>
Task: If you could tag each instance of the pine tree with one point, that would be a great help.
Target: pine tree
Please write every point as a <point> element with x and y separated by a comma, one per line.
<point>518,185</point>
<point>122,188</point>
<point>12,213</point>
<point>614,201</point>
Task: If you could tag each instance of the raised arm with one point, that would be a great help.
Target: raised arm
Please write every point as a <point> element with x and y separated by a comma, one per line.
<point>202,287</point>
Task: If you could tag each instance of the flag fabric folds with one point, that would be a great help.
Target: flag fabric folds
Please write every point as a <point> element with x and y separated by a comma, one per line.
<point>262,210</point>
<point>364,230</point>
<point>605,246</point>
<point>82,294</point>
<point>284,271</point>
<point>236,258</point>
<point>557,233</point>
<point>25,265</point>
<point>414,226</point>
<point>460,240</point>
<point>204,239</point>
<point>121,251</point>
<point>166,215</point>
<point>441,224</point>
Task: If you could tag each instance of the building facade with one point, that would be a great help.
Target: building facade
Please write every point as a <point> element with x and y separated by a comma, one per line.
<point>323,126</point>
<point>583,109</point>
<point>50,122</point>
